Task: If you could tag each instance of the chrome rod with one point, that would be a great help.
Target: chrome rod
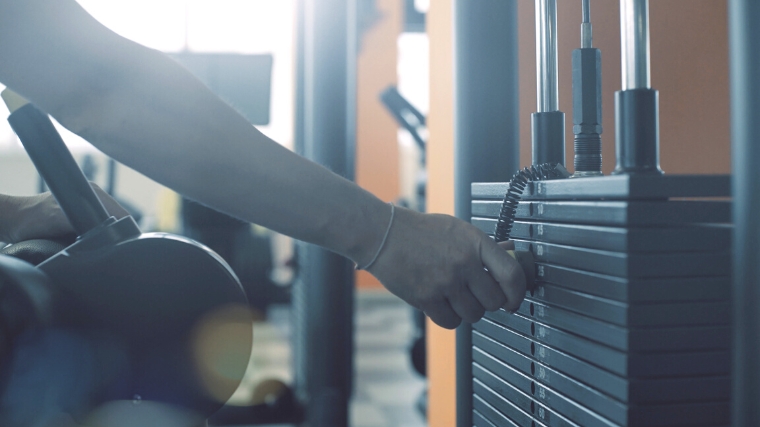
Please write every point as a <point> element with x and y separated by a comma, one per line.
<point>546,55</point>
<point>586,31</point>
<point>634,44</point>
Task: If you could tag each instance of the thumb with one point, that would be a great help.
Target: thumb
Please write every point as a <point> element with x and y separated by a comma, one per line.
<point>506,271</point>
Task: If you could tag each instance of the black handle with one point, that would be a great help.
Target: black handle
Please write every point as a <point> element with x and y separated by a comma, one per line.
<point>58,168</point>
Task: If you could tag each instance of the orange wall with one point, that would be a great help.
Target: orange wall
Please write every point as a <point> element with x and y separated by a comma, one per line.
<point>440,193</point>
<point>377,162</point>
<point>689,45</point>
<point>689,68</point>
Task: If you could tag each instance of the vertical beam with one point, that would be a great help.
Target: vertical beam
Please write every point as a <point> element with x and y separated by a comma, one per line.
<point>634,41</point>
<point>744,43</point>
<point>486,127</point>
<point>637,111</point>
<point>548,123</point>
<point>329,105</point>
<point>547,80</point>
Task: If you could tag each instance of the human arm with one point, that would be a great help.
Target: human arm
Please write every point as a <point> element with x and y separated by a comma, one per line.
<point>143,109</point>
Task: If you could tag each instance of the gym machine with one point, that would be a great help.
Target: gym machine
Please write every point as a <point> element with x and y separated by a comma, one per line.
<point>118,317</point>
<point>629,320</point>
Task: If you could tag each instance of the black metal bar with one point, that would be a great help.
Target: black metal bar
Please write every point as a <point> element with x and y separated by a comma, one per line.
<point>328,138</point>
<point>637,131</point>
<point>637,116</point>
<point>548,137</point>
<point>744,42</point>
<point>487,128</point>
<point>58,168</point>
<point>587,102</point>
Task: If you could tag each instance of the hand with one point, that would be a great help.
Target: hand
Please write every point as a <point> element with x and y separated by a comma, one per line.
<point>40,217</point>
<point>436,263</point>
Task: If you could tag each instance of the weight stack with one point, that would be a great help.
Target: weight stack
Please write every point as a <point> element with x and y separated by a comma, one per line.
<point>629,323</point>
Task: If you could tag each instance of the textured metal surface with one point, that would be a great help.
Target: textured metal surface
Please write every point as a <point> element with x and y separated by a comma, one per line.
<point>571,375</point>
<point>614,187</point>
<point>589,408</point>
<point>517,404</point>
<point>632,290</point>
<point>695,238</point>
<point>487,399</point>
<point>509,346</point>
<point>526,393</point>
<point>479,420</point>
<point>629,324</point>
<point>634,265</point>
<point>707,334</point>
<point>492,416</point>
<point>686,313</point>
<point>587,111</point>
<point>714,362</point>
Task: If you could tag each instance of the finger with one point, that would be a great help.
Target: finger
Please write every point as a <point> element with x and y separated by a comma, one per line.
<point>486,290</point>
<point>506,271</point>
<point>442,314</point>
<point>508,245</point>
<point>466,305</point>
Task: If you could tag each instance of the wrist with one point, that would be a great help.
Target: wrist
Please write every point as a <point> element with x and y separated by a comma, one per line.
<point>379,249</point>
<point>362,234</point>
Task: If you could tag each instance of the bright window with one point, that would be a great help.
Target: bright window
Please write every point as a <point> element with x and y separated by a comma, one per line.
<point>232,26</point>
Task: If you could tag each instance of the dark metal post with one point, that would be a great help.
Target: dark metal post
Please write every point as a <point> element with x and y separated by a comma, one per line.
<point>327,288</point>
<point>744,42</point>
<point>486,128</point>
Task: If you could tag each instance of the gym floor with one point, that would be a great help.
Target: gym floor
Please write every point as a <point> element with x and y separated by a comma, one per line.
<point>386,387</point>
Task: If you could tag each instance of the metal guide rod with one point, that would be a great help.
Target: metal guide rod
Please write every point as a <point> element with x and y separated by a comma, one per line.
<point>586,32</point>
<point>546,55</point>
<point>744,54</point>
<point>486,140</point>
<point>634,44</point>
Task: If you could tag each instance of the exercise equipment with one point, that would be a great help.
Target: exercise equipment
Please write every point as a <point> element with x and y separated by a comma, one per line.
<point>629,322</point>
<point>248,253</point>
<point>146,317</point>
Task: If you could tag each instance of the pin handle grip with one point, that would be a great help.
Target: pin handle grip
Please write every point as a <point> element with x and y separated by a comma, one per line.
<point>55,164</point>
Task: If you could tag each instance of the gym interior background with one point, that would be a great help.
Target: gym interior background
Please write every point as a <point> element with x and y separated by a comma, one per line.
<point>689,67</point>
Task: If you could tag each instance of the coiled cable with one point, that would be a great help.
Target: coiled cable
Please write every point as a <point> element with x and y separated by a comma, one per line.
<point>517,185</point>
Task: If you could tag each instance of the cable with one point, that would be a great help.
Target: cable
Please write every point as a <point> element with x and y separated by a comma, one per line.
<point>517,185</point>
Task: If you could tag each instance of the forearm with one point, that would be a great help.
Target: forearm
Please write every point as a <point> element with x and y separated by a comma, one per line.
<point>146,111</point>
<point>206,151</point>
